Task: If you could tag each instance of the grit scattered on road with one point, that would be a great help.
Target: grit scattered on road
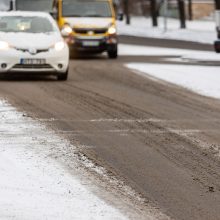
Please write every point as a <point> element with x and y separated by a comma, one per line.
<point>33,184</point>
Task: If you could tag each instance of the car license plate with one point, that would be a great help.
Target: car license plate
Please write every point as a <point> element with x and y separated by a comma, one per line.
<point>32,61</point>
<point>90,43</point>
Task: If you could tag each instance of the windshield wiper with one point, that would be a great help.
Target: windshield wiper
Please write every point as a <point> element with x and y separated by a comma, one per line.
<point>74,15</point>
<point>94,15</point>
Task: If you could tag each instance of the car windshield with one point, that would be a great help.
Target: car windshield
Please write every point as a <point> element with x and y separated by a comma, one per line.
<point>25,24</point>
<point>86,8</point>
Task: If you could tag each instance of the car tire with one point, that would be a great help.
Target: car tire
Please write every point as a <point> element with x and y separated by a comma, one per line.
<point>63,76</point>
<point>113,54</point>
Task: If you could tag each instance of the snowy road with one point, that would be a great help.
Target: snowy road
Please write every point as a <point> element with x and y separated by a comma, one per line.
<point>79,149</point>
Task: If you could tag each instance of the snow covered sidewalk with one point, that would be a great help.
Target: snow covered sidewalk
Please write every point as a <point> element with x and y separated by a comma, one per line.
<point>204,80</point>
<point>197,31</point>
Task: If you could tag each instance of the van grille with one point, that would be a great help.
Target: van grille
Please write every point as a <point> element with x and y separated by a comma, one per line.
<point>86,31</point>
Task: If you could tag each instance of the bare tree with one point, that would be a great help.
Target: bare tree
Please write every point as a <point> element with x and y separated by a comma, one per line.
<point>127,12</point>
<point>190,10</point>
<point>154,12</point>
<point>182,14</point>
<point>217,4</point>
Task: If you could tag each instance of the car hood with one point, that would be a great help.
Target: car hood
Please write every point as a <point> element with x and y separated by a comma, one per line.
<point>89,22</point>
<point>29,40</point>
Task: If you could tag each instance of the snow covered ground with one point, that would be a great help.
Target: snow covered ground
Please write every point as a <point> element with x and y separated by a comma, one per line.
<point>133,50</point>
<point>202,31</point>
<point>204,80</point>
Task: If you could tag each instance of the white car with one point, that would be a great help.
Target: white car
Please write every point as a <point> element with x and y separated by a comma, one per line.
<point>31,42</point>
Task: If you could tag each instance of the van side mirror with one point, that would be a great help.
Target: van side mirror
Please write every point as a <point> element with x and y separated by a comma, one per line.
<point>120,17</point>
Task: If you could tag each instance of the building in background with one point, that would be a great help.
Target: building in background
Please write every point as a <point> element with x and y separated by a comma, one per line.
<point>4,5</point>
<point>200,8</point>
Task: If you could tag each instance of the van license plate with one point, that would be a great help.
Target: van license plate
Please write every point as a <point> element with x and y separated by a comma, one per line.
<point>32,61</point>
<point>90,43</point>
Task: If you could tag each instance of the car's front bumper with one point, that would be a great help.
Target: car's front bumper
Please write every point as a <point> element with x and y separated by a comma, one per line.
<point>56,61</point>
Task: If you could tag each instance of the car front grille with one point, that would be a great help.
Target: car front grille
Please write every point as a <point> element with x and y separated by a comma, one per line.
<point>87,31</point>
<point>37,51</point>
<point>32,66</point>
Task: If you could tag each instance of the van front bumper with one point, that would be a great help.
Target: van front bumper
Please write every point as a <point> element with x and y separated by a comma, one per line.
<point>93,44</point>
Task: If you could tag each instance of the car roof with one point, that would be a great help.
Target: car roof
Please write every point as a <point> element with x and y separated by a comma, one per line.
<point>25,14</point>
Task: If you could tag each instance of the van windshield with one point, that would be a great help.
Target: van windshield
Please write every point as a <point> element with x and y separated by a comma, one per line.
<point>36,5</point>
<point>86,8</point>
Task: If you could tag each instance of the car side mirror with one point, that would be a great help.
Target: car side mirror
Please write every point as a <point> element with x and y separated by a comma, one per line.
<point>54,14</point>
<point>120,17</point>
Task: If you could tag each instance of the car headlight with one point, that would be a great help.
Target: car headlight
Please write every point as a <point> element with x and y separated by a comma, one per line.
<point>59,46</point>
<point>4,45</point>
<point>66,30</point>
<point>112,30</point>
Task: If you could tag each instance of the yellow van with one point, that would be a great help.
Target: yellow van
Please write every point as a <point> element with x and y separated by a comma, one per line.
<point>88,25</point>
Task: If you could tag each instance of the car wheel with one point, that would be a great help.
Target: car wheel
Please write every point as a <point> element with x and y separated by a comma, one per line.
<point>63,76</point>
<point>113,54</point>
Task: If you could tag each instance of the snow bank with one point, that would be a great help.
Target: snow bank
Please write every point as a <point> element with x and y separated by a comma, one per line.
<point>194,55</point>
<point>197,31</point>
<point>204,80</point>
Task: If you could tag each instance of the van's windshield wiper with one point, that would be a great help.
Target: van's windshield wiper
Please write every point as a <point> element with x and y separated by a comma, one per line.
<point>94,15</point>
<point>74,15</point>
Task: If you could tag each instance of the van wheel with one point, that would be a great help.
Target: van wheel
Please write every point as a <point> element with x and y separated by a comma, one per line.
<point>63,76</point>
<point>113,54</point>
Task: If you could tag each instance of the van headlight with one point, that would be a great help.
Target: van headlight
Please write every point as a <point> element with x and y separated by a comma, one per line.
<point>4,45</point>
<point>59,46</point>
<point>112,30</point>
<point>66,30</point>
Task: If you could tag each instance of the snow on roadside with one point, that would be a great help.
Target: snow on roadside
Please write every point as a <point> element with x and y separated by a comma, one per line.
<point>184,54</point>
<point>34,186</point>
<point>196,31</point>
<point>204,80</point>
